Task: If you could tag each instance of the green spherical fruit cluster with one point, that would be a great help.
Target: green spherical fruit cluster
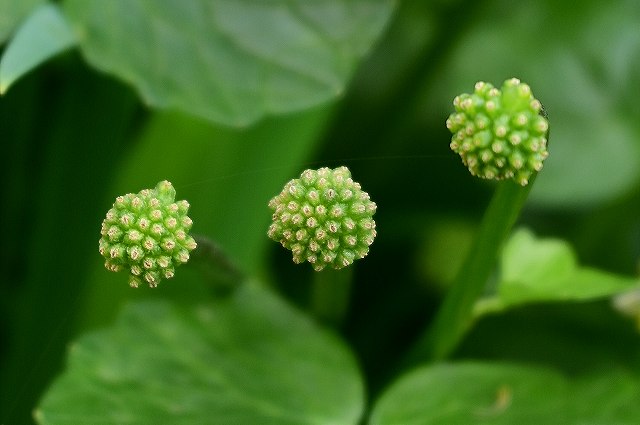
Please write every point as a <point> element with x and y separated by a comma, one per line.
<point>324,217</point>
<point>147,234</point>
<point>500,134</point>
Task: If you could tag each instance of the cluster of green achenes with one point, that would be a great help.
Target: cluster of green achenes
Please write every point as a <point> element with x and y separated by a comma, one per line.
<point>324,217</point>
<point>500,134</point>
<point>147,234</point>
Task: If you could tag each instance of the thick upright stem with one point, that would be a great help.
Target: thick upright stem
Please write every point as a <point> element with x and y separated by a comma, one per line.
<point>455,316</point>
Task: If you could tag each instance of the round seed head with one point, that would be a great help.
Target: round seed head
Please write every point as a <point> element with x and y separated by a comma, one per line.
<point>333,224</point>
<point>497,132</point>
<point>147,234</point>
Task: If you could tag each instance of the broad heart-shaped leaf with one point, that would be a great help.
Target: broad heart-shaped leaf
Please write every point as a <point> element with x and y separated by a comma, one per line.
<point>43,35</point>
<point>537,270</point>
<point>229,61</point>
<point>12,12</point>
<point>245,359</point>
<point>499,393</point>
<point>474,393</point>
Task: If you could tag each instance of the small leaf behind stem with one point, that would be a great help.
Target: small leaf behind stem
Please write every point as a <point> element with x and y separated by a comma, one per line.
<point>43,35</point>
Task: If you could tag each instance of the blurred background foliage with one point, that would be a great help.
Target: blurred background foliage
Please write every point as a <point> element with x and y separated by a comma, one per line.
<point>78,131</point>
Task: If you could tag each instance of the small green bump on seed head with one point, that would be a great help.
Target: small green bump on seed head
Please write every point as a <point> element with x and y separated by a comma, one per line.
<point>500,133</point>
<point>147,234</point>
<point>324,218</point>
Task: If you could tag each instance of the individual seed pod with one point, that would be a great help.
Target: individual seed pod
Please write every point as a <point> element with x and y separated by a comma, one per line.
<point>147,234</point>
<point>332,223</point>
<point>500,133</point>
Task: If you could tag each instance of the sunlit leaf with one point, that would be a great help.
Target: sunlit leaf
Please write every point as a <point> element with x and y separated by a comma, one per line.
<point>230,61</point>
<point>535,270</point>
<point>12,12</point>
<point>246,359</point>
<point>43,35</point>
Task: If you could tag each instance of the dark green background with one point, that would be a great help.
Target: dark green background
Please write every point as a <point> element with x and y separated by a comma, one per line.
<point>73,138</point>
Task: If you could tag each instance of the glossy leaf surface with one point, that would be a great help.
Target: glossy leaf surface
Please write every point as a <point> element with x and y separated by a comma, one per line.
<point>248,358</point>
<point>229,61</point>
<point>43,35</point>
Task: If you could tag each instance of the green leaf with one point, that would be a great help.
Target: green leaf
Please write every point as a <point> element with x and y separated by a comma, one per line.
<point>536,270</point>
<point>606,398</point>
<point>43,35</point>
<point>245,359</point>
<point>12,12</point>
<point>500,393</point>
<point>474,393</point>
<point>230,61</point>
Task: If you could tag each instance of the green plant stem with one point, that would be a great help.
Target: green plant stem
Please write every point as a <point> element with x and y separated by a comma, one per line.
<point>217,268</point>
<point>456,313</point>
<point>330,294</point>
